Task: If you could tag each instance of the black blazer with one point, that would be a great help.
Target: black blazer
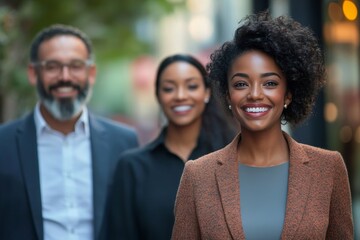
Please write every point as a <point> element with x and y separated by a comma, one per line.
<point>20,199</point>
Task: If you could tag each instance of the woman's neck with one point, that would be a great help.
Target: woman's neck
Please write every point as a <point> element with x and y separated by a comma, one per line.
<point>181,140</point>
<point>263,149</point>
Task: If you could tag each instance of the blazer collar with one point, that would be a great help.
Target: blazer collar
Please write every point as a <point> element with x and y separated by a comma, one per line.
<point>298,187</point>
<point>27,147</point>
<point>227,179</point>
<point>299,183</point>
<point>100,152</point>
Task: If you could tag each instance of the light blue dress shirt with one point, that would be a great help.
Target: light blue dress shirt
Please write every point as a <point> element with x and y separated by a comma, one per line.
<point>65,168</point>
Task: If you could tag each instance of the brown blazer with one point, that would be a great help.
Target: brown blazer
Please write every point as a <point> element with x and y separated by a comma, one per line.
<point>318,202</point>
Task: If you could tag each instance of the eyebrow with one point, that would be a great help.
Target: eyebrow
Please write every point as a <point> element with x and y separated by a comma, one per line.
<point>244,75</point>
<point>186,80</point>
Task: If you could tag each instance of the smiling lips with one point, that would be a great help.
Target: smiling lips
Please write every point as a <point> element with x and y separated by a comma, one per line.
<point>182,108</point>
<point>256,111</point>
<point>64,91</point>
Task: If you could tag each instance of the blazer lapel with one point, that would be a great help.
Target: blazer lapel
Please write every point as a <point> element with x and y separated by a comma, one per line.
<point>100,156</point>
<point>228,184</point>
<point>298,188</point>
<point>27,146</point>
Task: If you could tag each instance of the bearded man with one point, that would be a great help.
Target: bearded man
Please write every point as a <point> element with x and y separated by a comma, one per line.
<point>56,163</point>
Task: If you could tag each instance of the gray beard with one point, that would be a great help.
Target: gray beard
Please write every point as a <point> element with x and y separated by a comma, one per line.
<point>67,108</point>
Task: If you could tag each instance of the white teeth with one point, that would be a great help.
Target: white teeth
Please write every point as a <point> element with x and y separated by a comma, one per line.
<point>64,89</point>
<point>256,109</point>
<point>182,108</point>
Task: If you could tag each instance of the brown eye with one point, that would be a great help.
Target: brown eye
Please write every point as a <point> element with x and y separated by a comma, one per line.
<point>193,86</point>
<point>77,65</point>
<point>52,66</point>
<point>271,84</point>
<point>167,89</point>
<point>239,85</point>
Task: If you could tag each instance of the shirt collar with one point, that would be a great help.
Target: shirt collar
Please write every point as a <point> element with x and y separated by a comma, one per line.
<point>160,140</point>
<point>81,125</point>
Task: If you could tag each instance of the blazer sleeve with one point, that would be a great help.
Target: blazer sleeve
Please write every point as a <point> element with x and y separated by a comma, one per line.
<point>340,219</point>
<point>186,223</point>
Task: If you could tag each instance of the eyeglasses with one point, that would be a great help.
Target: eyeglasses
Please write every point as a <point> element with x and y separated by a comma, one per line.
<point>77,68</point>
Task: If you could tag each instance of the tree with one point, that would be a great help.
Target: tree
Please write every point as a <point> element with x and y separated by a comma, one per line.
<point>112,25</point>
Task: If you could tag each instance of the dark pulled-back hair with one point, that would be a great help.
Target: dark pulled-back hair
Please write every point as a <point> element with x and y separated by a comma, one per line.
<point>54,31</point>
<point>294,48</point>
<point>218,127</point>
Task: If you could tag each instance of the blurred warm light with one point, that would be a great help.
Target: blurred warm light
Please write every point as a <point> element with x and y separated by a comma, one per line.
<point>342,32</point>
<point>200,28</point>
<point>335,12</point>
<point>345,134</point>
<point>331,112</point>
<point>357,135</point>
<point>198,6</point>
<point>142,70</point>
<point>350,10</point>
<point>193,5</point>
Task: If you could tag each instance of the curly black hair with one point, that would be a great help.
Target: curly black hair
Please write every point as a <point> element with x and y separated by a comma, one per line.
<point>294,48</point>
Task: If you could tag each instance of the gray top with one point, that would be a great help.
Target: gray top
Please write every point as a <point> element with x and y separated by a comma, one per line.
<point>263,192</point>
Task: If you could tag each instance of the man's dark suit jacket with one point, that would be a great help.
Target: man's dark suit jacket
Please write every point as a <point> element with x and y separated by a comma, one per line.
<point>20,200</point>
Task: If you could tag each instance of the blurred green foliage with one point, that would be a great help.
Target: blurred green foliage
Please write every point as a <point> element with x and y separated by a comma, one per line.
<point>112,26</point>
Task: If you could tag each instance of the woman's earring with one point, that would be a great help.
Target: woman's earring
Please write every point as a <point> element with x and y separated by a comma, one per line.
<point>230,107</point>
<point>285,106</point>
<point>206,100</point>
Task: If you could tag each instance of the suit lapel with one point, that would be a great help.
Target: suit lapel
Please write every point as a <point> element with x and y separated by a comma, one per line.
<point>100,156</point>
<point>298,188</point>
<point>228,184</point>
<point>27,146</point>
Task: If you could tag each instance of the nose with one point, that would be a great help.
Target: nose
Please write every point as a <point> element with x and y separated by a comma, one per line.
<point>181,93</point>
<point>65,73</point>
<point>256,92</point>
